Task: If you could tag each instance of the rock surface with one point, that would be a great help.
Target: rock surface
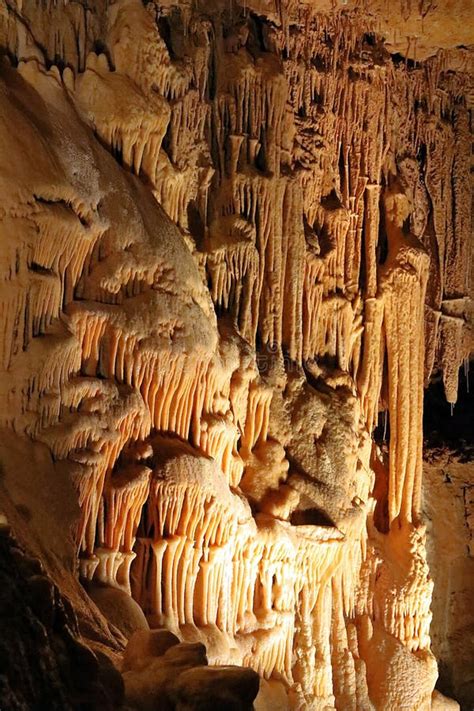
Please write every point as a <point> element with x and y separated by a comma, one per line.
<point>210,688</point>
<point>142,645</point>
<point>42,660</point>
<point>448,505</point>
<point>119,608</point>
<point>161,674</point>
<point>235,248</point>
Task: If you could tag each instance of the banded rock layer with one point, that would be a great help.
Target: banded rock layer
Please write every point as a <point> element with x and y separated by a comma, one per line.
<point>235,243</point>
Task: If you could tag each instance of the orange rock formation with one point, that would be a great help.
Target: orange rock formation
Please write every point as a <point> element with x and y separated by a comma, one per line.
<point>235,238</point>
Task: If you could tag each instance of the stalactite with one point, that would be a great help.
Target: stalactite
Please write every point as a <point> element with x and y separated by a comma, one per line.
<point>404,278</point>
<point>212,386</point>
<point>134,129</point>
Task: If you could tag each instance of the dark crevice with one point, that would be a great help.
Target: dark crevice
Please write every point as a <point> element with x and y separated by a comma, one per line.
<point>311,517</point>
<point>449,428</point>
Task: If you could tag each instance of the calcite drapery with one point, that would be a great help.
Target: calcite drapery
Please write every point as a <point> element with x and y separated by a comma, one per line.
<point>224,465</point>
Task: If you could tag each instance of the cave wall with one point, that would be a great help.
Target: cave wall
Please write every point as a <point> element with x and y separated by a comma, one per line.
<point>235,247</point>
<point>448,506</point>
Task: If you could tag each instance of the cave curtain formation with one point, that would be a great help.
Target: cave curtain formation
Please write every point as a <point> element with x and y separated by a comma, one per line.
<point>235,242</point>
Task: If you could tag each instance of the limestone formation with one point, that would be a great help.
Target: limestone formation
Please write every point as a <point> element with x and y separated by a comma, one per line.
<point>235,247</point>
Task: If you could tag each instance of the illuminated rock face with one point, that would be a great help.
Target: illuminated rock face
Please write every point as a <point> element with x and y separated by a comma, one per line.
<point>230,242</point>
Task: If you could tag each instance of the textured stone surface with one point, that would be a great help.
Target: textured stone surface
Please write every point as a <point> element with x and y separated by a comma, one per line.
<point>43,663</point>
<point>208,688</point>
<point>235,247</point>
<point>449,508</point>
<point>119,608</point>
<point>145,644</point>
